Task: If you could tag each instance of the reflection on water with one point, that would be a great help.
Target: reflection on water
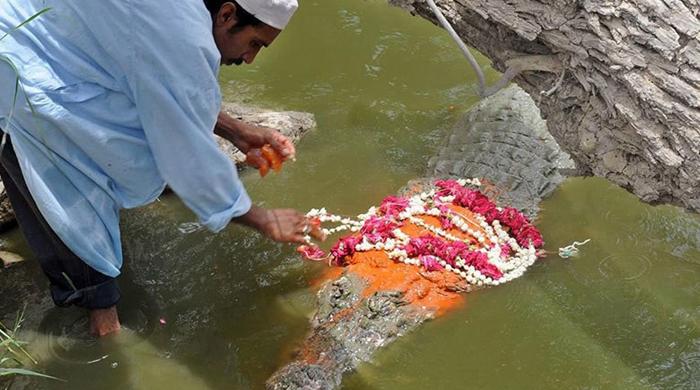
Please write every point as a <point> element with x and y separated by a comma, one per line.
<point>384,87</point>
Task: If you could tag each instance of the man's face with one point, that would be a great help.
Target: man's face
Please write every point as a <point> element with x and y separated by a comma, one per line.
<point>238,45</point>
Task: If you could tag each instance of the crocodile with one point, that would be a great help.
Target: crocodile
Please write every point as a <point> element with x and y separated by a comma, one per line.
<point>503,141</point>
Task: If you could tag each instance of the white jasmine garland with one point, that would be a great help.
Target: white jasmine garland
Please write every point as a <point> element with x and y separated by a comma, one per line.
<point>491,236</point>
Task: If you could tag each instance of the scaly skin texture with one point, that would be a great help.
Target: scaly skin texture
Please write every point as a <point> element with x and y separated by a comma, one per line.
<point>351,324</point>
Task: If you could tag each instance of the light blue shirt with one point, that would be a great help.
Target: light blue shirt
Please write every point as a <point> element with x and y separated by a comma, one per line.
<point>125,99</point>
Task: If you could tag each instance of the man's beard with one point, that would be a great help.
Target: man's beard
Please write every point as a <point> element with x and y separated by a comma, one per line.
<point>237,61</point>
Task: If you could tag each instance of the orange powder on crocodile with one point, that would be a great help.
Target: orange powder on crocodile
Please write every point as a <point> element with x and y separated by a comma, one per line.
<point>436,290</point>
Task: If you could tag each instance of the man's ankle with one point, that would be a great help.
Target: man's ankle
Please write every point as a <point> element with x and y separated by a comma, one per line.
<point>104,321</point>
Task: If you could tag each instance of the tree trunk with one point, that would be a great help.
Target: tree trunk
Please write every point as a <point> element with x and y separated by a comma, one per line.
<point>617,81</point>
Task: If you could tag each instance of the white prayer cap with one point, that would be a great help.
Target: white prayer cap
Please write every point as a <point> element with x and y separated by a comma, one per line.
<point>274,13</point>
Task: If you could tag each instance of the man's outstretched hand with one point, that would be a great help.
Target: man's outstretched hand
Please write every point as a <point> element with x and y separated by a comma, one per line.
<point>282,225</point>
<point>246,137</point>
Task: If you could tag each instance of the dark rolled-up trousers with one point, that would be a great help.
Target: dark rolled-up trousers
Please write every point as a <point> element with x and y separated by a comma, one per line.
<point>72,281</point>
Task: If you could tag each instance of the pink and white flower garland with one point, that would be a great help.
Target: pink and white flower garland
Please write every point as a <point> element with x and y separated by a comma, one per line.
<point>504,247</point>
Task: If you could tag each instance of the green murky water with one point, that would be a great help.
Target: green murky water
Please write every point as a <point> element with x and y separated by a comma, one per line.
<point>626,314</point>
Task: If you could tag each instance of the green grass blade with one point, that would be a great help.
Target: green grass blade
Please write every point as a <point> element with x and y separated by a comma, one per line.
<point>21,351</point>
<point>7,336</point>
<point>36,15</point>
<point>14,97</point>
<point>5,343</point>
<point>14,361</point>
<point>18,318</point>
<point>22,371</point>
<point>18,87</point>
<point>20,313</point>
<point>26,99</point>
<point>9,342</point>
<point>18,84</point>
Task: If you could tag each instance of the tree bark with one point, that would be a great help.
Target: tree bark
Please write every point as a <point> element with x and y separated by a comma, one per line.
<point>617,80</point>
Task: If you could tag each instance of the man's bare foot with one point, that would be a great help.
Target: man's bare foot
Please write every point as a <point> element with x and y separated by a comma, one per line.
<point>104,321</point>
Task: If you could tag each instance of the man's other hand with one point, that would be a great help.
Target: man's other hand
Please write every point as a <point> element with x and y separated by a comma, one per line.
<point>282,225</point>
<point>246,136</point>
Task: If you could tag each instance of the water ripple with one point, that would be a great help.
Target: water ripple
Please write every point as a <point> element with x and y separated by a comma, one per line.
<point>67,339</point>
<point>626,272</point>
<point>350,21</point>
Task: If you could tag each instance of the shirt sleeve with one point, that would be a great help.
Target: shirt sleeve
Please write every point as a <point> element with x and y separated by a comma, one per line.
<point>175,88</point>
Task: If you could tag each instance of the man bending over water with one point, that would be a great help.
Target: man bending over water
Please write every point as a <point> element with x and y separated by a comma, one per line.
<point>124,98</point>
